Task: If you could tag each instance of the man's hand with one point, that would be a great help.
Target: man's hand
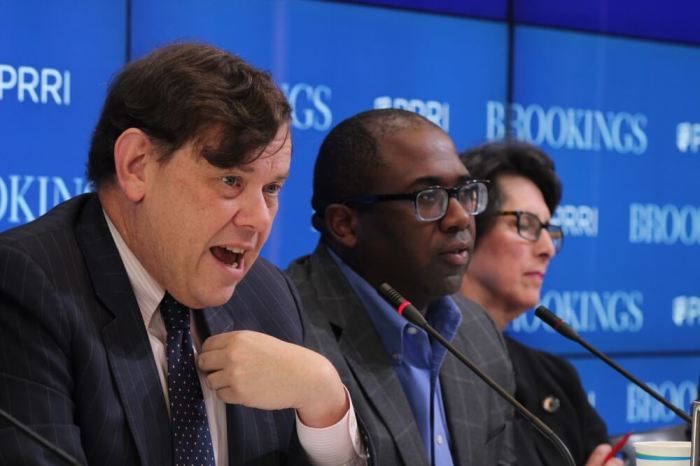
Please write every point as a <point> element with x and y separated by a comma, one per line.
<point>599,454</point>
<point>260,371</point>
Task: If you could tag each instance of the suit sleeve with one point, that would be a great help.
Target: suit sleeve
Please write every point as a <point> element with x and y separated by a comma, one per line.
<point>35,368</point>
<point>297,305</point>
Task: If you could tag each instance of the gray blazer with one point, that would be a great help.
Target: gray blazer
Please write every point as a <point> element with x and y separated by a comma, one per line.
<point>337,326</point>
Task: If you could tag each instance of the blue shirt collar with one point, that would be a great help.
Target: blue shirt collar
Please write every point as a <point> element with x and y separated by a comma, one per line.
<point>443,313</point>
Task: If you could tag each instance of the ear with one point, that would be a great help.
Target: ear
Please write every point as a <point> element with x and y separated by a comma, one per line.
<point>131,154</point>
<point>341,224</point>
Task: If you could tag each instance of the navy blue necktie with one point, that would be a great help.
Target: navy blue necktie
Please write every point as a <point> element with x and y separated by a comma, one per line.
<point>188,415</point>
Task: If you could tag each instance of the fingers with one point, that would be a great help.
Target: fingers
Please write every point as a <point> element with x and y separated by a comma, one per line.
<point>614,462</point>
<point>213,360</point>
<point>217,380</point>
<point>217,341</point>
<point>598,456</point>
<point>254,369</point>
<point>261,371</point>
<point>221,350</point>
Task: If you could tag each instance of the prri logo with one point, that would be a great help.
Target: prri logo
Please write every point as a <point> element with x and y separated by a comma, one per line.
<point>688,137</point>
<point>577,220</point>
<point>38,85</point>
<point>435,111</point>
<point>686,311</point>
<point>310,105</point>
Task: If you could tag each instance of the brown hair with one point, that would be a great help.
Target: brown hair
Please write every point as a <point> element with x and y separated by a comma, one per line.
<point>494,159</point>
<point>190,92</point>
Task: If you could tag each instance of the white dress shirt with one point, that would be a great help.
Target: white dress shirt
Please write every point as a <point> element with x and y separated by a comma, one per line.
<point>335,445</point>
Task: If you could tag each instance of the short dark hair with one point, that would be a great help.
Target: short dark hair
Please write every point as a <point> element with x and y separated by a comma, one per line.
<point>189,92</point>
<point>494,159</point>
<point>350,156</point>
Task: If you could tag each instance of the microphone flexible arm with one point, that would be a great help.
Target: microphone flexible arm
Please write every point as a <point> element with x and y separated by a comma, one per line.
<point>410,313</point>
<point>567,331</point>
<point>68,459</point>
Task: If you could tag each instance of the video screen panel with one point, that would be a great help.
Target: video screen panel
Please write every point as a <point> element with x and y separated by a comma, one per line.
<point>334,60</point>
<point>620,118</point>
<point>627,408</point>
<point>673,20</point>
<point>54,71</point>
<point>496,9</point>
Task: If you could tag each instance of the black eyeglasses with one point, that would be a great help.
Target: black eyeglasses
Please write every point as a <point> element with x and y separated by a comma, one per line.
<point>530,227</point>
<point>430,204</point>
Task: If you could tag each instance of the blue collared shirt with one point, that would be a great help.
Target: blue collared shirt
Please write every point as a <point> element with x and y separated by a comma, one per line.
<point>416,359</point>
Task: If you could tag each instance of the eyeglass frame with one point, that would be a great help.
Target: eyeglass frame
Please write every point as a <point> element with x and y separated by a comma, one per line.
<point>413,196</point>
<point>543,226</point>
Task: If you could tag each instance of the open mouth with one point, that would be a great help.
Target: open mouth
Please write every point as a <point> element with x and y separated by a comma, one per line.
<point>231,257</point>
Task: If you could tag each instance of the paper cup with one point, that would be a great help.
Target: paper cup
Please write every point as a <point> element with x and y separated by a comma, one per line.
<point>662,453</point>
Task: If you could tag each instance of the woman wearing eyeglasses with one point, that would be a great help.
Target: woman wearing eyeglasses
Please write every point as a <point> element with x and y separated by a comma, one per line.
<point>514,245</point>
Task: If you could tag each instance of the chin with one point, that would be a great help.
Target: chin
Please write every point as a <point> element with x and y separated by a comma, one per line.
<point>217,297</point>
<point>530,304</point>
<point>451,285</point>
<point>438,292</point>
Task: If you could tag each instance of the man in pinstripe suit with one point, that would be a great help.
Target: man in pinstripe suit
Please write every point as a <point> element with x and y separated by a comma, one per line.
<point>188,157</point>
<point>394,204</point>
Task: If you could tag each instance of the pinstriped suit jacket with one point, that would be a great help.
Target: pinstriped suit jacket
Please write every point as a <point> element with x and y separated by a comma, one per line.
<point>479,422</point>
<point>75,361</point>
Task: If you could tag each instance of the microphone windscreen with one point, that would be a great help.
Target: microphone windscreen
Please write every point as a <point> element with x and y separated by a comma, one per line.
<point>390,295</point>
<point>556,323</point>
<point>402,305</point>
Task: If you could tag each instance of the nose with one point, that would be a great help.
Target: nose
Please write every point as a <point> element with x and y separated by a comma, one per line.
<point>456,218</point>
<point>545,245</point>
<point>253,212</point>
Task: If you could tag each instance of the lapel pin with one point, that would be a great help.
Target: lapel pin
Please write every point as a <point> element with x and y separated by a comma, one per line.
<point>551,404</point>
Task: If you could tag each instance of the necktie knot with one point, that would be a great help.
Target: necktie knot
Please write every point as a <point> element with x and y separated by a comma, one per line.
<point>175,315</point>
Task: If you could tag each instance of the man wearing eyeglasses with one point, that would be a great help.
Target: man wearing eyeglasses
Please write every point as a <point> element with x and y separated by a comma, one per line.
<point>394,204</point>
<point>514,246</point>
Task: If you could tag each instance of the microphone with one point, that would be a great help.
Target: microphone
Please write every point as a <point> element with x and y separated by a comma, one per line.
<point>566,330</point>
<point>413,315</point>
<point>38,438</point>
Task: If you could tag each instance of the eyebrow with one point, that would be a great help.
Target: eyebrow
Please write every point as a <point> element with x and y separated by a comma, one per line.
<point>244,168</point>
<point>435,181</point>
<point>283,177</point>
<point>249,169</point>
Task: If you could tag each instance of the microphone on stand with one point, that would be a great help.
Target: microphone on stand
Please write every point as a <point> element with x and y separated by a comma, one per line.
<point>413,315</point>
<point>566,330</point>
<point>68,459</point>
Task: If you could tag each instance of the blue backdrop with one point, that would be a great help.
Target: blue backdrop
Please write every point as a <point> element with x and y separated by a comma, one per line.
<point>609,92</point>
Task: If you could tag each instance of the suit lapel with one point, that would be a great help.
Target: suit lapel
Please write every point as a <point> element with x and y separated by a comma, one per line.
<point>365,355</point>
<point>243,425</point>
<point>126,340</point>
<point>212,321</point>
<point>464,394</point>
<point>458,394</point>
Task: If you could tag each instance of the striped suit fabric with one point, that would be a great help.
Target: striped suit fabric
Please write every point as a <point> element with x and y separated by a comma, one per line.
<point>479,421</point>
<point>75,361</point>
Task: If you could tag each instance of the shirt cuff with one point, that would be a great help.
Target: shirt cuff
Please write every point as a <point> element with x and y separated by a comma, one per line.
<point>336,445</point>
